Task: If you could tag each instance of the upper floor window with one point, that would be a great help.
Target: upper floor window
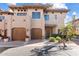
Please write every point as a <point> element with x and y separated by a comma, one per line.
<point>21,14</point>
<point>35,15</point>
<point>46,17</point>
<point>1,18</point>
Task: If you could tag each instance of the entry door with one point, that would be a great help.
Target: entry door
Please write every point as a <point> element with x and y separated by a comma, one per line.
<point>49,31</point>
<point>36,33</point>
<point>18,34</point>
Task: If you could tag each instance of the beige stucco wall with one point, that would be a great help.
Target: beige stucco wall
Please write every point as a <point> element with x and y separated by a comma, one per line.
<point>52,19</point>
<point>7,23</point>
<point>26,21</point>
<point>76,24</point>
<point>37,23</point>
<point>22,21</point>
<point>3,26</point>
<point>15,21</point>
<point>59,22</point>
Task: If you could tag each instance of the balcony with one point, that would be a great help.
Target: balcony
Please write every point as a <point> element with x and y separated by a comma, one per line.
<point>51,23</point>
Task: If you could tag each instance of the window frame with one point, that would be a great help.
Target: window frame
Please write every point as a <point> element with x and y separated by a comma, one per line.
<point>46,18</point>
<point>2,17</point>
<point>21,14</point>
<point>35,16</point>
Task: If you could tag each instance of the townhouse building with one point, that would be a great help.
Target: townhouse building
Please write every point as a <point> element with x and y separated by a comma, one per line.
<point>33,21</point>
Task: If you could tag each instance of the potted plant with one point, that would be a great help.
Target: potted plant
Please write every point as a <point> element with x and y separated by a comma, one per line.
<point>27,38</point>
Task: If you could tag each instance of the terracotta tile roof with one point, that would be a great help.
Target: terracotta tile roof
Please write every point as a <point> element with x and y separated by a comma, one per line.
<point>39,5</point>
<point>34,5</point>
<point>6,12</point>
<point>57,10</point>
<point>0,10</point>
<point>75,20</point>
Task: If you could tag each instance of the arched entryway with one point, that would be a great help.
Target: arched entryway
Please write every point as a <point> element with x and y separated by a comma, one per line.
<point>18,34</point>
<point>36,33</point>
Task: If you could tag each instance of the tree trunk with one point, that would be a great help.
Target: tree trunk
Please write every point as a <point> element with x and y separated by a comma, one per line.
<point>64,44</point>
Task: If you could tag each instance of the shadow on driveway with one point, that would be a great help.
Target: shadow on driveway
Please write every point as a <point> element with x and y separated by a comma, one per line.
<point>76,41</point>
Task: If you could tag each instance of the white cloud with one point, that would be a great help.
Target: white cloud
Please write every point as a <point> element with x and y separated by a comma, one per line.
<point>68,19</point>
<point>60,5</point>
<point>74,13</point>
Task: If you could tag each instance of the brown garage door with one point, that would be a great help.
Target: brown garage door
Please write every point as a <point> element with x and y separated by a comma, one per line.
<point>18,34</point>
<point>36,33</point>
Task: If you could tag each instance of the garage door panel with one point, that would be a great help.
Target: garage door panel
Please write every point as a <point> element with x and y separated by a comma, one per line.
<point>36,33</point>
<point>18,34</point>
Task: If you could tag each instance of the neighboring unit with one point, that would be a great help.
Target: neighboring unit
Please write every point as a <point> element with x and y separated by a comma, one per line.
<point>75,24</point>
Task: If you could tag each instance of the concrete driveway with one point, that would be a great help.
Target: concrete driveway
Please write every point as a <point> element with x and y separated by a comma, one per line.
<point>73,50</point>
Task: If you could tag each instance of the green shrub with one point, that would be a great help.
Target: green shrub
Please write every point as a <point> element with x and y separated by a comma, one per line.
<point>55,35</point>
<point>58,38</point>
<point>52,39</point>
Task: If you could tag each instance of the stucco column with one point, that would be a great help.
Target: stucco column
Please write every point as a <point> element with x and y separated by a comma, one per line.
<point>10,27</point>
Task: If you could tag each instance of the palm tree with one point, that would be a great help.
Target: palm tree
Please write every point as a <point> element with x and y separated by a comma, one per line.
<point>69,32</point>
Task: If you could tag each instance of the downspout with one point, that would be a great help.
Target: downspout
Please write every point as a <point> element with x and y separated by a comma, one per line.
<point>11,28</point>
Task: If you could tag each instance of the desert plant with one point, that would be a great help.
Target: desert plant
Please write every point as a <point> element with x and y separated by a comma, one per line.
<point>68,30</point>
<point>58,38</point>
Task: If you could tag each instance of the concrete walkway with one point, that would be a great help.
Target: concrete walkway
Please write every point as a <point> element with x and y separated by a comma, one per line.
<point>17,43</point>
<point>73,50</point>
<point>11,44</point>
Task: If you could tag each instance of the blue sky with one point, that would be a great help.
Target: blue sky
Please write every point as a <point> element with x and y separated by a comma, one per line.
<point>73,7</point>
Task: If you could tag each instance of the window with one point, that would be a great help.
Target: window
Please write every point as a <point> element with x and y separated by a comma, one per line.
<point>21,10</point>
<point>1,18</point>
<point>35,15</point>
<point>24,10</point>
<point>12,14</point>
<point>46,17</point>
<point>18,10</point>
<point>21,14</point>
